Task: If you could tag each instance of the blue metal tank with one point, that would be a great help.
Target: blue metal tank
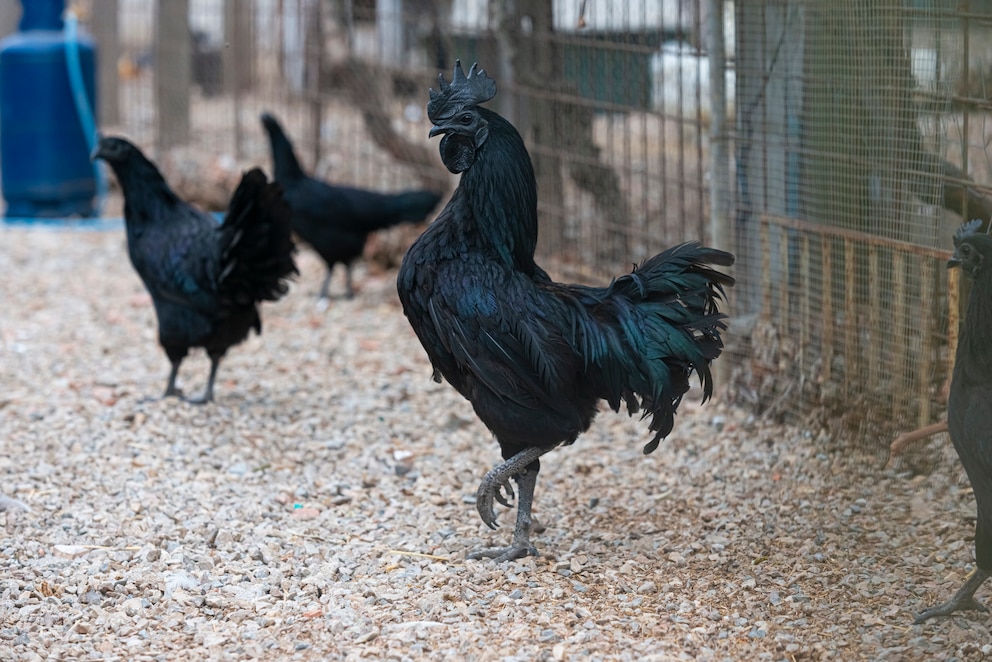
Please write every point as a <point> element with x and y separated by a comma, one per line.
<point>45,169</point>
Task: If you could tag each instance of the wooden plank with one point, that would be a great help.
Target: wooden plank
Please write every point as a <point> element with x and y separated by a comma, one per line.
<point>876,344</point>
<point>862,238</point>
<point>313,46</point>
<point>766,274</point>
<point>104,27</point>
<point>851,362</point>
<point>828,308</point>
<point>898,367</point>
<point>953,316</point>
<point>783,284</point>
<point>238,58</point>
<point>924,373</point>
<point>173,71</point>
<point>805,292</point>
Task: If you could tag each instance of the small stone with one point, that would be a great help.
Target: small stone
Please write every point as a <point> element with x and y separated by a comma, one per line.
<point>71,551</point>
<point>214,600</point>
<point>224,538</point>
<point>133,606</point>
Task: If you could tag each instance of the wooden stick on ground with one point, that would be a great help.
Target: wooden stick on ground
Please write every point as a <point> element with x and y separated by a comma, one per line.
<point>905,439</point>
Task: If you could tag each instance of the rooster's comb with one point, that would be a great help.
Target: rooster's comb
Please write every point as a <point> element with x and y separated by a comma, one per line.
<point>966,230</point>
<point>462,91</point>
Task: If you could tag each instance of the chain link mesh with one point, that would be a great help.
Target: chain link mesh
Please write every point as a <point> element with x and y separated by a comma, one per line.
<point>858,144</point>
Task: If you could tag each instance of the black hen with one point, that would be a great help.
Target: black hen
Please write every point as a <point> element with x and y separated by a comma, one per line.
<point>337,220</point>
<point>969,417</point>
<point>205,279</point>
<point>533,356</point>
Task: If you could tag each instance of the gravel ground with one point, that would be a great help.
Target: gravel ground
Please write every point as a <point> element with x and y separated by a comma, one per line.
<point>321,508</point>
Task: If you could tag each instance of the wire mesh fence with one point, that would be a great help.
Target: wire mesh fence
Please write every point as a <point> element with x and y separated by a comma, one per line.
<point>612,99</point>
<point>861,145</point>
<point>859,135</point>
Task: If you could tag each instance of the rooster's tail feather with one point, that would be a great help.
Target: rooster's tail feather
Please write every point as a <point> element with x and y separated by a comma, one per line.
<point>256,242</point>
<point>645,334</point>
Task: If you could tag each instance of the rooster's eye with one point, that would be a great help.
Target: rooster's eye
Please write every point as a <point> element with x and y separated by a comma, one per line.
<point>465,118</point>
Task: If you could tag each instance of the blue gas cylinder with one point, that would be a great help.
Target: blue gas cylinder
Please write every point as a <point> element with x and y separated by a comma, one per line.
<point>45,169</point>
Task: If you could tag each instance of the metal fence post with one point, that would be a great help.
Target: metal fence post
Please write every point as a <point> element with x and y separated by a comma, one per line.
<point>238,58</point>
<point>173,49</point>
<point>721,235</point>
<point>104,26</point>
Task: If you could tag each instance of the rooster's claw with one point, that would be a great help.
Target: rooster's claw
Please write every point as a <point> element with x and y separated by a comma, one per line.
<point>493,488</point>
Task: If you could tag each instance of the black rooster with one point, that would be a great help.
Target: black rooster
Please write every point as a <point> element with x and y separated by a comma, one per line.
<point>205,279</point>
<point>533,356</point>
<point>968,411</point>
<point>337,220</point>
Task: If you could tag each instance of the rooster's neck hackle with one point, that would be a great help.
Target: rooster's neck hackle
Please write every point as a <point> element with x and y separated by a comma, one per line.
<point>502,192</point>
<point>974,355</point>
<point>145,190</point>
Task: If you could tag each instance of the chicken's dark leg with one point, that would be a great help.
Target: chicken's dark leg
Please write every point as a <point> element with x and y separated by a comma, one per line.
<point>962,600</point>
<point>349,285</point>
<point>523,468</point>
<point>208,393</point>
<point>170,388</point>
<point>176,356</point>
<point>325,288</point>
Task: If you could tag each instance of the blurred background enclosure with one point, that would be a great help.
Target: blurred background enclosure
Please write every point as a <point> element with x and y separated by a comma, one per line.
<point>834,145</point>
<point>612,98</point>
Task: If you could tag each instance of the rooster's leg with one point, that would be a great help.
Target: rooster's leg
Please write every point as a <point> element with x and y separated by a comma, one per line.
<point>325,288</point>
<point>170,388</point>
<point>962,600</point>
<point>208,394</point>
<point>349,285</point>
<point>175,358</point>
<point>523,468</point>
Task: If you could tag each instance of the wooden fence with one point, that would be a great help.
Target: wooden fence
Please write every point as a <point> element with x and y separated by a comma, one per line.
<point>873,320</point>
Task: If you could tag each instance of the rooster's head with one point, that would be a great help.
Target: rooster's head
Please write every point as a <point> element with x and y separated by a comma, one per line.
<point>456,115</point>
<point>971,249</point>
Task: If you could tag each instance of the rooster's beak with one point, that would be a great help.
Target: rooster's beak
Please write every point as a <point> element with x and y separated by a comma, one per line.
<point>955,261</point>
<point>436,130</point>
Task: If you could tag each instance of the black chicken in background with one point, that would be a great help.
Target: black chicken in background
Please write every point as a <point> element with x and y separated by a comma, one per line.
<point>969,405</point>
<point>535,357</point>
<point>337,220</point>
<point>205,279</point>
<point>207,63</point>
